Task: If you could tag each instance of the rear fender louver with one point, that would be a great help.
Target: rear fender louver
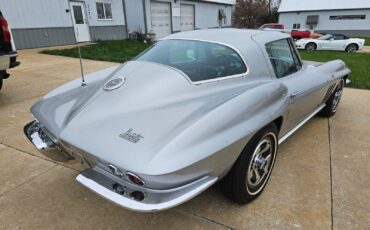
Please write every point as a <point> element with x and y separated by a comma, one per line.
<point>328,93</point>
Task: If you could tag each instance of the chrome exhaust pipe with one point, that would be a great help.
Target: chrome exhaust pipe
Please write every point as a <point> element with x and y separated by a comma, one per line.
<point>44,144</point>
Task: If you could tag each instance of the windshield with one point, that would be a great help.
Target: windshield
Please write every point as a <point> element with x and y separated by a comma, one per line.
<point>198,60</point>
<point>325,37</point>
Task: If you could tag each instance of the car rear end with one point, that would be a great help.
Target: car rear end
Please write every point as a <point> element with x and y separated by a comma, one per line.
<point>8,53</point>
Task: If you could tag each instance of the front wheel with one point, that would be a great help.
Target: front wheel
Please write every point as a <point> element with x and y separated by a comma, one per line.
<point>250,173</point>
<point>1,83</point>
<point>332,104</point>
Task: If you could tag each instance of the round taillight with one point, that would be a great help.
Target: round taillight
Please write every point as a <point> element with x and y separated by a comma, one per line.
<point>135,179</point>
<point>137,195</point>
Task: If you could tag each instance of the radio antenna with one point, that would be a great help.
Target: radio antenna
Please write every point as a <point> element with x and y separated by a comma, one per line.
<point>83,83</point>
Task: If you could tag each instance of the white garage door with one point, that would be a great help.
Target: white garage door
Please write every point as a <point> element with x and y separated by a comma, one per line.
<point>187,17</point>
<point>161,18</point>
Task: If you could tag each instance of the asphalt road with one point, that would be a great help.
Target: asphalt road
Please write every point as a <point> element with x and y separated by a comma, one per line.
<point>321,179</point>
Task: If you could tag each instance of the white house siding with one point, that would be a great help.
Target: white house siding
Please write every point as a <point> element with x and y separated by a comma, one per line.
<point>36,13</point>
<point>359,27</point>
<point>41,23</point>
<point>135,16</point>
<point>109,29</point>
<point>206,14</point>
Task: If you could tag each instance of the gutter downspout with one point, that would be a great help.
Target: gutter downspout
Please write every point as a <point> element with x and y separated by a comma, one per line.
<point>145,22</point>
<point>125,16</point>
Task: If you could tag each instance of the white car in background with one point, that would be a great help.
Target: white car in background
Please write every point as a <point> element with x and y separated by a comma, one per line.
<point>337,42</point>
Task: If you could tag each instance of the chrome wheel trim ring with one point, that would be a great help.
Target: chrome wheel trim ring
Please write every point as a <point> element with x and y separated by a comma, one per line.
<point>261,162</point>
<point>337,96</point>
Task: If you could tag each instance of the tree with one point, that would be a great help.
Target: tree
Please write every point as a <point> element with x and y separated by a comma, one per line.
<point>250,13</point>
<point>273,15</point>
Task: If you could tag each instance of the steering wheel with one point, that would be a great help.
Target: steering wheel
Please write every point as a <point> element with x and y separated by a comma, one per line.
<point>282,67</point>
<point>227,65</point>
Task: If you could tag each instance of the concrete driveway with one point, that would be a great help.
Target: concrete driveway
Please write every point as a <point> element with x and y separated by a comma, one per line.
<point>321,178</point>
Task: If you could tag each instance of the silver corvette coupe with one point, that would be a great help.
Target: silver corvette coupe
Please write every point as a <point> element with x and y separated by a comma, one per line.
<point>195,108</point>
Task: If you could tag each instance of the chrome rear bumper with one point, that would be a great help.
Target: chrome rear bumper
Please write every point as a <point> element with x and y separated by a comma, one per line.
<point>105,183</point>
<point>155,200</point>
<point>37,136</point>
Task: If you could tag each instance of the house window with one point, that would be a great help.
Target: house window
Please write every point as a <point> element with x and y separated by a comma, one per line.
<point>348,17</point>
<point>104,10</point>
<point>312,19</point>
<point>296,26</point>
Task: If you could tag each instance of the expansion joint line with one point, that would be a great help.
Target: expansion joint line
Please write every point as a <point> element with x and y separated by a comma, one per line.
<point>331,177</point>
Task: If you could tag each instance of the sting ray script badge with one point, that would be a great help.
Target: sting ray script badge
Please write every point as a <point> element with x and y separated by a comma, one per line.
<point>131,136</point>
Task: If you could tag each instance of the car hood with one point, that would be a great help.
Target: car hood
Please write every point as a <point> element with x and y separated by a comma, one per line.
<point>132,125</point>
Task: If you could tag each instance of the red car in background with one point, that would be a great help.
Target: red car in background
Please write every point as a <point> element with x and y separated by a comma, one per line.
<point>296,34</point>
<point>300,34</point>
<point>8,53</point>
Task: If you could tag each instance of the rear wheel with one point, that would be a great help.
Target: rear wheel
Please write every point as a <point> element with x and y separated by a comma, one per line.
<point>1,83</point>
<point>351,48</point>
<point>311,46</point>
<point>332,104</point>
<point>250,173</point>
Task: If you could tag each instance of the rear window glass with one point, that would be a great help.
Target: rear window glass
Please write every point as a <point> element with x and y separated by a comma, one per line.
<point>198,60</point>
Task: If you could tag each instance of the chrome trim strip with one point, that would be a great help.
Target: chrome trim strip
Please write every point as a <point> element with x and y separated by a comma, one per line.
<point>286,136</point>
<point>9,55</point>
<point>139,206</point>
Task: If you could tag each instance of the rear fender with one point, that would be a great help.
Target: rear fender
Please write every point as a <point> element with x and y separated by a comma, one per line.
<point>228,127</point>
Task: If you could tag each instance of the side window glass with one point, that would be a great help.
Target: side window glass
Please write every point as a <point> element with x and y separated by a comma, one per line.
<point>267,27</point>
<point>339,37</point>
<point>281,56</point>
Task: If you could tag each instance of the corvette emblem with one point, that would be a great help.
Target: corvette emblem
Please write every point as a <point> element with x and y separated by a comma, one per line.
<point>114,83</point>
<point>131,136</point>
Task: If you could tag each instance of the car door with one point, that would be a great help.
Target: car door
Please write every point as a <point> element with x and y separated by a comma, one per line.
<point>306,89</point>
<point>323,44</point>
<point>337,42</point>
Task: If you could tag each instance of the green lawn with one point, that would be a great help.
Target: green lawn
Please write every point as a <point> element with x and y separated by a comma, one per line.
<point>367,41</point>
<point>114,51</point>
<point>123,50</point>
<point>359,63</point>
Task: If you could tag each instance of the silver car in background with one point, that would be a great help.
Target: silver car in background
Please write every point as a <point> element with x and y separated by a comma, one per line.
<point>195,108</point>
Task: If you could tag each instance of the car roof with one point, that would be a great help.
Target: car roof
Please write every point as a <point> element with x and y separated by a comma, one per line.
<point>237,38</point>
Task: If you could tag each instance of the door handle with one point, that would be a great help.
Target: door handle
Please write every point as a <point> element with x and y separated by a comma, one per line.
<point>293,95</point>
